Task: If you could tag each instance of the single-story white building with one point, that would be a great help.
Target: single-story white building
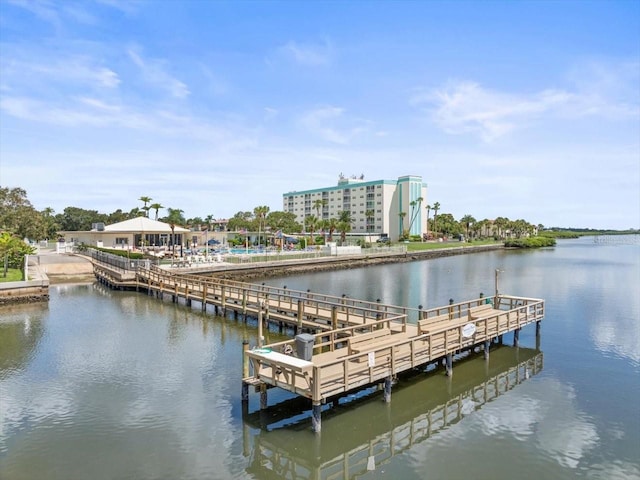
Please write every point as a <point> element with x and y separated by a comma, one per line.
<point>135,233</point>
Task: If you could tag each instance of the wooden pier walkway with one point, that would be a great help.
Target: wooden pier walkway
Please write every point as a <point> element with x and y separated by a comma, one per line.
<point>417,413</point>
<point>349,358</point>
<point>349,343</point>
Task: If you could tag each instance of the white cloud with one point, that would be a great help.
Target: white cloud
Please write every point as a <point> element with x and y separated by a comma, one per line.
<point>154,72</point>
<point>311,55</point>
<point>331,125</point>
<point>466,107</point>
<point>99,104</point>
<point>43,9</point>
<point>270,113</point>
<point>598,90</point>
<point>77,69</point>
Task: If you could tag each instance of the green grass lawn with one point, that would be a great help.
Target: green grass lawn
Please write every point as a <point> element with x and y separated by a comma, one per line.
<point>419,246</point>
<point>13,275</point>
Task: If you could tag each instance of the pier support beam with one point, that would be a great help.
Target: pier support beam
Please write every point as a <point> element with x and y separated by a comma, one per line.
<point>449,364</point>
<point>263,396</point>
<point>260,326</point>
<point>538,324</point>
<point>516,337</point>
<point>245,370</point>
<point>487,343</point>
<point>316,417</point>
<point>387,389</point>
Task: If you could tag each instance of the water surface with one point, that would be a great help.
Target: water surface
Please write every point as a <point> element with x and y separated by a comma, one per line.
<point>105,384</point>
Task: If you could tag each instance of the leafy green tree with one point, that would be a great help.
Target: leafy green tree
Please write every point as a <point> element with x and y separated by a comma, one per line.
<point>74,219</point>
<point>135,212</point>
<point>116,217</point>
<point>12,252</point>
<point>240,221</point>
<point>18,216</point>
<point>192,222</point>
<point>285,221</point>
<point>448,226</point>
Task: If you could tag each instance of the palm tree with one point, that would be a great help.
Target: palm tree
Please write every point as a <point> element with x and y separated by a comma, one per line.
<point>415,208</point>
<point>318,204</point>
<point>436,207</point>
<point>312,222</point>
<point>402,215</point>
<point>331,226</point>
<point>428,207</point>
<point>344,224</point>
<point>145,200</point>
<point>174,218</point>
<point>467,220</point>
<point>209,220</point>
<point>261,214</point>
<point>501,224</point>
<point>369,214</point>
<point>156,207</point>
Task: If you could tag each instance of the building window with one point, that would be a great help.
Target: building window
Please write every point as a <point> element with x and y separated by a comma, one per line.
<point>122,241</point>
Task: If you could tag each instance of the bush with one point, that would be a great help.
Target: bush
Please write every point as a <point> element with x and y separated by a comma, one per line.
<point>532,242</point>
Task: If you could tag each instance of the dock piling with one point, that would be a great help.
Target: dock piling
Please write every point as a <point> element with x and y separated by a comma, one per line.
<point>263,396</point>
<point>387,389</point>
<point>449,364</point>
<point>245,370</point>
<point>316,416</point>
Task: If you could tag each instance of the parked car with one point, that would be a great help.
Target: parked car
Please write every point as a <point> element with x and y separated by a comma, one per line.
<point>383,240</point>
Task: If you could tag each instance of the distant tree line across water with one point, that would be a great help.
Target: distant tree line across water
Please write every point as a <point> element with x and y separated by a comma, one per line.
<point>19,218</point>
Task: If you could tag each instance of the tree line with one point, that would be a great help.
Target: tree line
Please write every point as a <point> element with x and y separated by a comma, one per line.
<point>21,219</point>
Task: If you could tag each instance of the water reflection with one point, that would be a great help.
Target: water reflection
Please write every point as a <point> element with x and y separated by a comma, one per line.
<point>283,447</point>
<point>21,330</point>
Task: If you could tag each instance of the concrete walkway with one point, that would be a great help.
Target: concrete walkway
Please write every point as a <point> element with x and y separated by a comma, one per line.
<point>61,267</point>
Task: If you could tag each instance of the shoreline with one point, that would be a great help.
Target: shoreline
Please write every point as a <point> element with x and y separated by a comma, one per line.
<point>282,269</point>
<point>80,270</point>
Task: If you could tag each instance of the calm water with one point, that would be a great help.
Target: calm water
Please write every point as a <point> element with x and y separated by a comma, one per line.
<point>117,385</point>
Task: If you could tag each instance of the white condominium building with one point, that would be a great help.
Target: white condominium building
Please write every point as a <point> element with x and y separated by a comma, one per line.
<point>379,207</point>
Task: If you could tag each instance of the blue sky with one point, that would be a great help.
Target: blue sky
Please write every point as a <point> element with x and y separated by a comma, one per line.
<point>519,109</point>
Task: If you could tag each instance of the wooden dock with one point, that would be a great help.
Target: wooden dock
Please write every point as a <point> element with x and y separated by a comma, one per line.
<point>422,407</point>
<point>351,357</point>
<point>348,343</point>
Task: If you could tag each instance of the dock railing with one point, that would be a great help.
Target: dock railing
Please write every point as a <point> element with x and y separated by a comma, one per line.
<point>336,369</point>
